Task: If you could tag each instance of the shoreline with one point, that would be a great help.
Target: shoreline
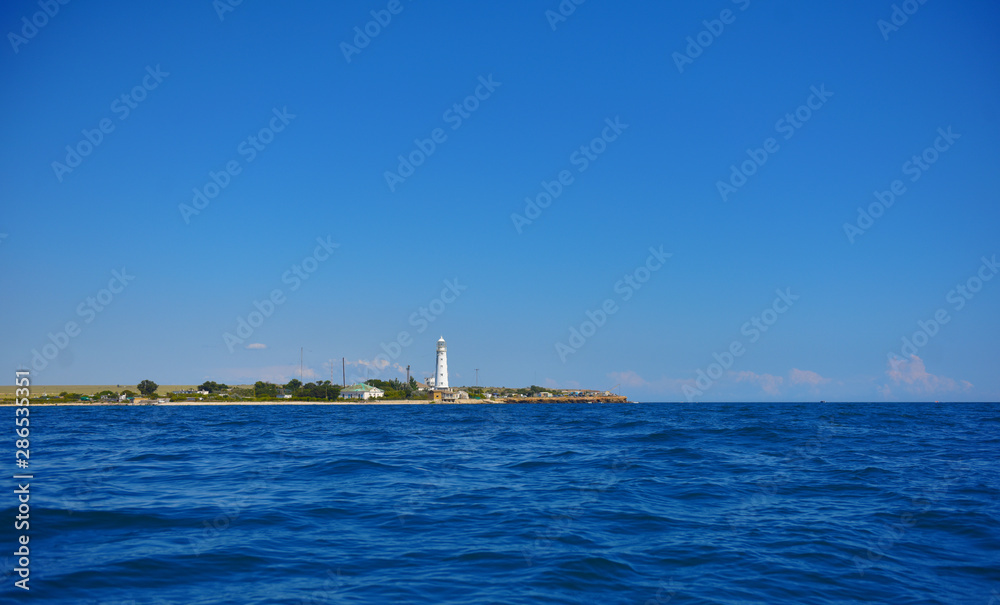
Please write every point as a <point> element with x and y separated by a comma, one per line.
<point>287,402</point>
<point>227,403</point>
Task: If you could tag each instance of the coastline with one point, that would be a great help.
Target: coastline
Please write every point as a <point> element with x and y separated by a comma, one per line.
<point>282,402</point>
<point>289,402</point>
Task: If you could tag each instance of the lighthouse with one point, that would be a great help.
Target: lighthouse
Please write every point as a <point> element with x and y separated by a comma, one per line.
<point>441,374</point>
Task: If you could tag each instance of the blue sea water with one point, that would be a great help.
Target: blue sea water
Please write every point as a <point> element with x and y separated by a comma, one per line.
<point>637,503</point>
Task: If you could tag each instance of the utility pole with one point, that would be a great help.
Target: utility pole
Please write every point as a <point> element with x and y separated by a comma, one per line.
<point>407,374</point>
<point>477,377</point>
<point>300,364</point>
<point>343,365</point>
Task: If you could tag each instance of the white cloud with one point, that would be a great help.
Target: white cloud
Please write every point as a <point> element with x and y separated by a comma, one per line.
<point>768,383</point>
<point>628,378</point>
<point>912,376</point>
<point>797,376</point>
<point>632,379</point>
<point>256,346</point>
<point>363,369</point>
<point>275,374</point>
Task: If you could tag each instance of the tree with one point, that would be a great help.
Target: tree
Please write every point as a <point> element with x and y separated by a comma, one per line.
<point>147,387</point>
<point>265,389</point>
<point>322,390</point>
<point>293,384</point>
<point>212,387</point>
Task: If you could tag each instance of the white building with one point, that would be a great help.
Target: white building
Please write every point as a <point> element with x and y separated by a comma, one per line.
<point>361,391</point>
<point>441,374</point>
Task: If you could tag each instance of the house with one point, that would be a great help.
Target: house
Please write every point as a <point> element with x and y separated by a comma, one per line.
<point>361,391</point>
<point>284,394</point>
<point>545,394</point>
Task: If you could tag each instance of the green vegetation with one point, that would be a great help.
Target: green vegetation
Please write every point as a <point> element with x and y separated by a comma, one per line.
<point>313,391</point>
<point>212,387</point>
<point>147,387</point>
<point>262,391</point>
<point>397,389</point>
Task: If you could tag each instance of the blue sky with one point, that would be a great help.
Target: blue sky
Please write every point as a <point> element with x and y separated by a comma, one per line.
<point>308,136</point>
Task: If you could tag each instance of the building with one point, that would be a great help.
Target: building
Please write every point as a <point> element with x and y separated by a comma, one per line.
<point>441,373</point>
<point>361,391</point>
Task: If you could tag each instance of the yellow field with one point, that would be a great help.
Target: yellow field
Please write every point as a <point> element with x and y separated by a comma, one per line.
<point>38,390</point>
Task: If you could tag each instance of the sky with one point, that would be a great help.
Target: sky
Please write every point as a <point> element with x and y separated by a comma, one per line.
<point>716,201</point>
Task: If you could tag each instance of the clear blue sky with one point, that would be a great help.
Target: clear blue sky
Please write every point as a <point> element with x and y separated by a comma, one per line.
<point>886,93</point>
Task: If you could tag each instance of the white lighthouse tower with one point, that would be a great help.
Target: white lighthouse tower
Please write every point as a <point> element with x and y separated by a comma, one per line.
<point>441,374</point>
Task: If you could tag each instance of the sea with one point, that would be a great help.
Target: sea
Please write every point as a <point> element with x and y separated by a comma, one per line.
<point>647,503</point>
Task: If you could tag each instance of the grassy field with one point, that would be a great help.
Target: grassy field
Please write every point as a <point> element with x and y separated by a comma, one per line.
<point>37,390</point>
